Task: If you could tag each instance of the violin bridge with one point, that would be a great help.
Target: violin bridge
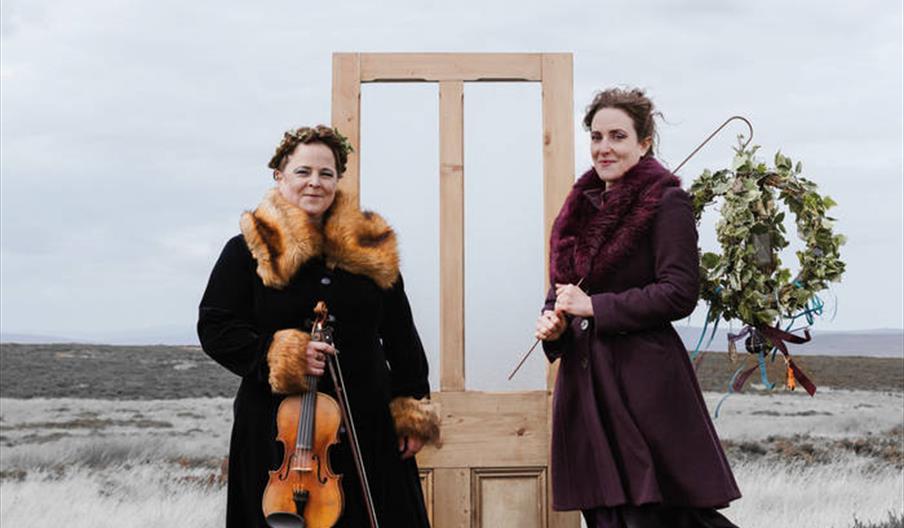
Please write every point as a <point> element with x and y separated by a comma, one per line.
<point>301,461</point>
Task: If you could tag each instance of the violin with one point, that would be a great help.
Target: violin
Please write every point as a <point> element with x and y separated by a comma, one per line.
<point>304,492</point>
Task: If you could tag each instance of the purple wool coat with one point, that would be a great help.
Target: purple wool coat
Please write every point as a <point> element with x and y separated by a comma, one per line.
<point>629,422</point>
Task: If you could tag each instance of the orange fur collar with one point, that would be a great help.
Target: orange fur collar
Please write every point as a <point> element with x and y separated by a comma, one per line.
<point>282,238</point>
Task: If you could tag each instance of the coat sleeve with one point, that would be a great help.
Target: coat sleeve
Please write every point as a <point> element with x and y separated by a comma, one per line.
<point>226,325</point>
<point>402,345</point>
<point>412,412</point>
<point>673,294</point>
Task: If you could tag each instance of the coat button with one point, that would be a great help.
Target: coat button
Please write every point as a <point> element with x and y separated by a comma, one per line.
<point>584,324</point>
<point>325,281</point>
<point>584,362</point>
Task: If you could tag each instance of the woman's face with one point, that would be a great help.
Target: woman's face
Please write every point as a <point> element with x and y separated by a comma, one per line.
<point>309,178</point>
<point>614,146</point>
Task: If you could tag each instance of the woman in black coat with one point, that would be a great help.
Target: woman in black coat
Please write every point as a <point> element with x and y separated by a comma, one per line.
<point>306,243</point>
<point>632,442</point>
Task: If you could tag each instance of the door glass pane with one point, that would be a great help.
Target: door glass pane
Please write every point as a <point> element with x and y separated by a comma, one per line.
<point>504,239</point>
<point>400,180</point>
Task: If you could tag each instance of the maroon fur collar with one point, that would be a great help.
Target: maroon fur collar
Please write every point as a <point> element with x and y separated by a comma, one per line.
<point>586,242</point>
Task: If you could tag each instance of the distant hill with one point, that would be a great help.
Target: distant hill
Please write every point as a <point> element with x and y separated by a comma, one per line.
<point>37,339</point>
<point>175,335</point>
<point>872,343</point>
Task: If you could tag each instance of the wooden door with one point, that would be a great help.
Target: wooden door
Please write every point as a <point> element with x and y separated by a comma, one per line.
<point>493,468</point>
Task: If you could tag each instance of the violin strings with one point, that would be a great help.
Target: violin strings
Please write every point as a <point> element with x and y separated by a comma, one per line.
<point>301,424</point>
<point>306,409</point>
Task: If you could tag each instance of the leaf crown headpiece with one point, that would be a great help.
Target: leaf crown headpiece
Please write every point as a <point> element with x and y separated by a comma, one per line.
<point>331,137</point>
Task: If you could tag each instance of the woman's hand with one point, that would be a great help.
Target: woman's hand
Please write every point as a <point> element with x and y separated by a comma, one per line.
<point>316,357</point>
<point>409,446</point>
<point>550,326</point>
<point>572,300</point>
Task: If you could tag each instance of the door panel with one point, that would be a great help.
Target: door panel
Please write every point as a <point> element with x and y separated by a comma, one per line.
<point>486,429</point>
<point>511,497</point>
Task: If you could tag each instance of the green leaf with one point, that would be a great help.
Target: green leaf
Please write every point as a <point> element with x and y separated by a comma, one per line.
<point>721,187</point>
<point>782,162</point>
<point>709,260</point>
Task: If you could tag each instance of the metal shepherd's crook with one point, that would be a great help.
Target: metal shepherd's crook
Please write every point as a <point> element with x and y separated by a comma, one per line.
<point>716,131</point>
<point>691,155</point>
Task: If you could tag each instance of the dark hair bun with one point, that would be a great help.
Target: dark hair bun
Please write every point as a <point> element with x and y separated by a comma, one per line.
<point>634,102</point>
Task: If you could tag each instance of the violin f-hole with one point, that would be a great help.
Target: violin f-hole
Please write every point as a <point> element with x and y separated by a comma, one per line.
<point>320,477</point>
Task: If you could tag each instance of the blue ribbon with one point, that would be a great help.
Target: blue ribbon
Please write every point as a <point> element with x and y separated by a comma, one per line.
<point>696,351</point>
<point>709,317</point>
<point>730,389</point>
<point>761,359</point>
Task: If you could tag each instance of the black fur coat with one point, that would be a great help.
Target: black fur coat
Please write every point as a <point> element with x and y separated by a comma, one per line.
<point>252,321</point>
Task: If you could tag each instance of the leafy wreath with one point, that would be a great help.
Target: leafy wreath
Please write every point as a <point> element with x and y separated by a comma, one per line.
<point>747,281</point>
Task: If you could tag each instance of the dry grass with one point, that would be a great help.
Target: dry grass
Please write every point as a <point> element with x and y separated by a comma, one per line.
<point>160,493</point>
<point>832,495</point>
<point>893,521</point>
<point>823,462</point>
<point>149,494</point>
<point>150,451</point>
<point>131,463</point>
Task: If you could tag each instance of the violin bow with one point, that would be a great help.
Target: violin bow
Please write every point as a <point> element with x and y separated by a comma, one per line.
<point>346,411</point>
<point>528,353</point>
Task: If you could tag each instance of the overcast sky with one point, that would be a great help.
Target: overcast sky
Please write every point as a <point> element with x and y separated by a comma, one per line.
<point>134,134</point>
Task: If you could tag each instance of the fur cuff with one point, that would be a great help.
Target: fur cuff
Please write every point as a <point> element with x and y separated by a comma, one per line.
<point>286,358</point>
<point>418,418</point>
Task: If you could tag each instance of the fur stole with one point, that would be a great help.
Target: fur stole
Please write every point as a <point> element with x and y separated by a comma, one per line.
<point>587,241</point>
<point>282,238</point>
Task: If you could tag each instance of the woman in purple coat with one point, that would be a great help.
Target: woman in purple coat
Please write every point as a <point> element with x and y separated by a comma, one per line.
<point>632,442</point>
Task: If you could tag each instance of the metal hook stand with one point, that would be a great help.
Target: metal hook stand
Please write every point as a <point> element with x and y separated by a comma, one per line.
<point>705,141</point>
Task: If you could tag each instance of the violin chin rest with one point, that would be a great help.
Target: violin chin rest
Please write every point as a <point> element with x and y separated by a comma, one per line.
<point>284,520</point>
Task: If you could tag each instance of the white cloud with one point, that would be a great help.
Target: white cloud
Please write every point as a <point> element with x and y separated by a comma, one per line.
<point>133,134</point>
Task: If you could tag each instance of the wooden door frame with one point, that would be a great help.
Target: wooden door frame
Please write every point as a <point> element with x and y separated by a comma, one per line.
<point>451,70</point>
